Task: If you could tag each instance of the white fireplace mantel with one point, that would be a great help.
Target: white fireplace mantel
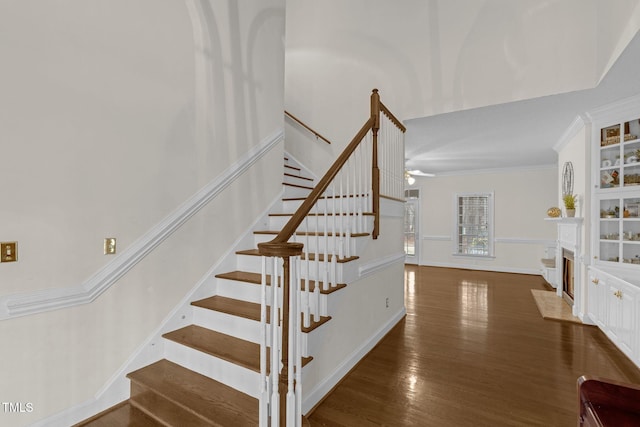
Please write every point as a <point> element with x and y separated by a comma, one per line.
<point>569,238</point>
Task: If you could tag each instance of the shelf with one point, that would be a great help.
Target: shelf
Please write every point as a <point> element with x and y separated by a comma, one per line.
<point>568,220</point>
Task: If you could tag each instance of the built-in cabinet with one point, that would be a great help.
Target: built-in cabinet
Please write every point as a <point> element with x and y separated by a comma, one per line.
<point>617,193</point>
<point>614,305</point>
<point>613,283</point>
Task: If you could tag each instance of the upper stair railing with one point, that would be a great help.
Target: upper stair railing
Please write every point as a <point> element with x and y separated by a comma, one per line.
<point>306,126</point>
<point>344,205</point>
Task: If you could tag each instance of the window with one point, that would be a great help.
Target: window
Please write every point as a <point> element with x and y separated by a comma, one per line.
<point>474,224</point>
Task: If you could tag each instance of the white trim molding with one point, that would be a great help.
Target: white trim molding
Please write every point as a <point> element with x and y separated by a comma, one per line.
<point>485,267</point>
<point>525,241</point>
<point>578,123</point>
<point>380,264</point>
<point>52,299</point>
<point>437,238</point>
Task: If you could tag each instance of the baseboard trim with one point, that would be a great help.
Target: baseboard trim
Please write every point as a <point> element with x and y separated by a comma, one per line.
<point>53,299</point>
<point>315,396</point>
<point>498,269</point>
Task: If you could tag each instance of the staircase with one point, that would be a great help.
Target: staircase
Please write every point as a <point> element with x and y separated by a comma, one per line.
<point>210,373</point>
<point>216,371</point>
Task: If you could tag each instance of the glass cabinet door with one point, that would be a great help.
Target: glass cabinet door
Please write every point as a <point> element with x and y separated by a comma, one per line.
<point>631,230</point>
<point>609,229</point>
<point>620,155</point>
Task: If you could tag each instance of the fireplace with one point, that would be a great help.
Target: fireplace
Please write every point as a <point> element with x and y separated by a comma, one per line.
<point>568,262</point>
<point>568,276</point>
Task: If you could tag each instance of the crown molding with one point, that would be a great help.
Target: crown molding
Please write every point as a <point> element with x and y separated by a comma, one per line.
<point>615,112</point>
<point>516,169</point>
<point>578,123</point>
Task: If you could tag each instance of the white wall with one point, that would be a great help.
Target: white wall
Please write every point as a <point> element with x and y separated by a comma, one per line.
<point>521,199</point>
<point>576,149</point>
<point>363,312</point>
<point>112,115</point>
<point>433,57</point>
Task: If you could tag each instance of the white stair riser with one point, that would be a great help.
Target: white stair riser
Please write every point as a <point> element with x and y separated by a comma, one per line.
<point>319,243</point>
<point>243,379</point>
<point>357,224</point>
<point>246,329</point>
<point>290,191</point>
<point>331,205</point>
<point>240,290</point>
<point>253,264</point>
<point>239,327</point>
<point>290,206</point>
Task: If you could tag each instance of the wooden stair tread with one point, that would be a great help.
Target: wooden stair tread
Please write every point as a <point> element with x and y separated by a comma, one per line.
<point>312,257</point>
<point>244,276</point>
<point>247,310</point>
<point>292,167</point>
<point>165,411</point>
<point>220,404</point>
<point>304,187</point>
<point>226,347</point>
<point>312,233</point>
<point>122,414</point>
<point>323,214</point>
<point>298,176</point>
<point>292,199</point>
<point>256,279</point>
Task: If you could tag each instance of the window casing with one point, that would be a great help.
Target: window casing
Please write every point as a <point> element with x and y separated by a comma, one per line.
<point>474,224</point>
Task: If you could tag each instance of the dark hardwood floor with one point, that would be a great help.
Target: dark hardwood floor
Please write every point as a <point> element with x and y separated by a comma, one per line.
<point>473,351</point>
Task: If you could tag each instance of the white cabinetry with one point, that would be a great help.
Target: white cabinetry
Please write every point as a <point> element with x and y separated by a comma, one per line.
<point>621,307</point>
<point>613,306</point>
<point>597,299</point>
<point>616,166</point>
<point>613,287</point>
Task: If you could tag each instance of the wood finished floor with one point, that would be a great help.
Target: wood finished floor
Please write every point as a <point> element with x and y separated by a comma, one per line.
<point>473,351</point>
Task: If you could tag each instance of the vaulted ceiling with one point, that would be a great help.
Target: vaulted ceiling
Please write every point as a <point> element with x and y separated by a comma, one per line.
<point>480,84</point>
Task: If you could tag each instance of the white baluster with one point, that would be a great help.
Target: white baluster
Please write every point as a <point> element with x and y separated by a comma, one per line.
<point>298,363</point>
<point>293,324</point>
<point>316,290</point>
<point>275,345</point>
<point>341,218</point>
<point>307,308</point>
<point>264,381</point>
<point>325,261</point>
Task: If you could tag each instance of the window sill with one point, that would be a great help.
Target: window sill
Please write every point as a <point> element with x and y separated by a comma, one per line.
<point>474,256</point>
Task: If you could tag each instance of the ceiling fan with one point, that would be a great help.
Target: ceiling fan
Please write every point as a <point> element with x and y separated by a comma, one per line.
<point>409,175</point>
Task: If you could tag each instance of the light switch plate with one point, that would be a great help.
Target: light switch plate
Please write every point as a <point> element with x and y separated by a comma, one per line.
<point>8,251</point>
<point>109,245</point>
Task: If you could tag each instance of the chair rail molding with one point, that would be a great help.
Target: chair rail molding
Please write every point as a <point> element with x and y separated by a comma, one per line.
<point>381,264</point>
<point>34,302</point>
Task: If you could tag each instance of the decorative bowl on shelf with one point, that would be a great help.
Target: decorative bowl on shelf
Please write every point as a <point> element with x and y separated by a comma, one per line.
<point>554,212</point>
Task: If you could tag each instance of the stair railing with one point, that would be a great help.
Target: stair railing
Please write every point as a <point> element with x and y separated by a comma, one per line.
<point>304,256</point>
<point>306,126</point>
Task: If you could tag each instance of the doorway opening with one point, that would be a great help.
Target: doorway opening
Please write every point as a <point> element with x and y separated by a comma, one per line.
<point>411,221</point>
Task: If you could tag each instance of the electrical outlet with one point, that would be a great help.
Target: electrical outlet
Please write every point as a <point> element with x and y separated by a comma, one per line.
<point>109,245</point>
<point>387,303</point>
<point>8,251</point>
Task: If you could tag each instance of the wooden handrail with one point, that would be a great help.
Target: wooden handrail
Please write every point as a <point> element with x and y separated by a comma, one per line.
<point>281,247</point>
<point>303,124</point>
<point>393,118</point>
<point>292,225</point>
